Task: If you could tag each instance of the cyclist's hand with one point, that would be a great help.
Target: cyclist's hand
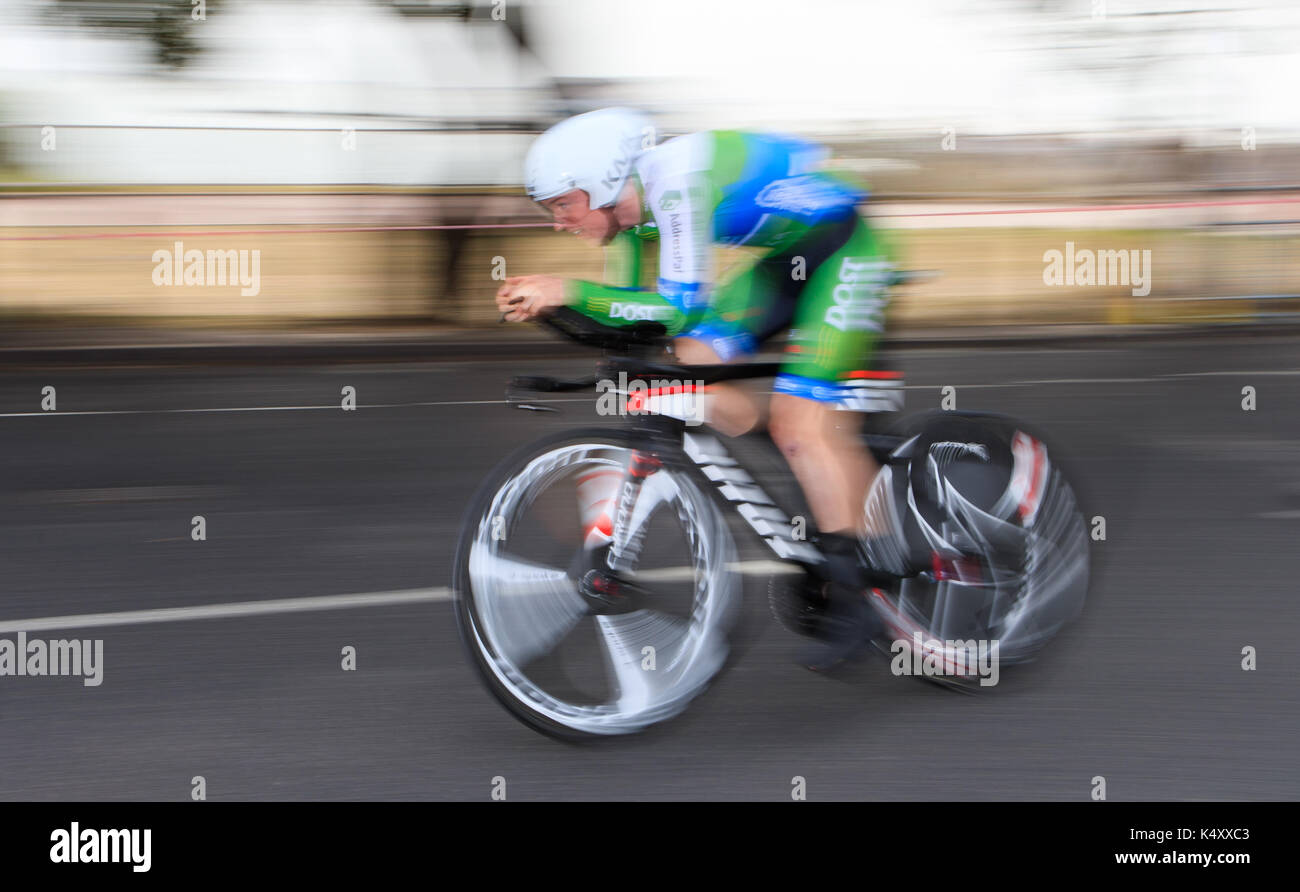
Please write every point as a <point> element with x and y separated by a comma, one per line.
<point>522,298</point>
<point>508,286</point>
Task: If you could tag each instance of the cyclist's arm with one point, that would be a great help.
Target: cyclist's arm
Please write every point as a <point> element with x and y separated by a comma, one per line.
<point>623,260</point>
<point>678,193</point>
<point>611,305</point>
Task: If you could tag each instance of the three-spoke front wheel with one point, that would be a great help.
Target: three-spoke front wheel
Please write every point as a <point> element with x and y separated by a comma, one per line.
<point>566,656</point>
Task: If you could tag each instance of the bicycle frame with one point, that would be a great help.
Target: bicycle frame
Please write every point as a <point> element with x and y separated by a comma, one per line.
<point>667,436</point>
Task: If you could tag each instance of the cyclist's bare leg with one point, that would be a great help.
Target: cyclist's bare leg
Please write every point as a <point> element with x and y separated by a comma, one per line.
<point>821,444</point>
<point>732,411</point>
<point>835,470</point>
<point>828,458</point>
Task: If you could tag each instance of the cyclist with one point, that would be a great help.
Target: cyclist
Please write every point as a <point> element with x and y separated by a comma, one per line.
<point>823,274</point>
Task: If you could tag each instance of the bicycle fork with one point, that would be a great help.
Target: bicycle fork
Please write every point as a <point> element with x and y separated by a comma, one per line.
<point>625,549</point>
<point>608,526</point>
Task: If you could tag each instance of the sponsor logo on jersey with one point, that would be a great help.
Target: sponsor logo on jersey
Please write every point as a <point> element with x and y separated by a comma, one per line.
<point>860,296</point>
<point>636,312</point>
<point>670,200</point>
<point>730,346</point>
<point>803,195</point>
<point>675,230</point>
<point>683,295</point>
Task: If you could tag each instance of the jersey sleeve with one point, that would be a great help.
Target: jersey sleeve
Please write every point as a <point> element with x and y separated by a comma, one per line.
<point>611,305</point>
<point>623,261</point>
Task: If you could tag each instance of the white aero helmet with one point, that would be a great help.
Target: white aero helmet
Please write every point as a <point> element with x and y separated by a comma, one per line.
<point>593,152</point>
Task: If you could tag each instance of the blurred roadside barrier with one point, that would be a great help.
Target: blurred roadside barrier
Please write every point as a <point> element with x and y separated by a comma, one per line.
<point>405,254</point>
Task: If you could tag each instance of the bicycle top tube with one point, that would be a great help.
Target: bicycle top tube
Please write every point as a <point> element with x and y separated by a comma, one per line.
<point>635,367</point>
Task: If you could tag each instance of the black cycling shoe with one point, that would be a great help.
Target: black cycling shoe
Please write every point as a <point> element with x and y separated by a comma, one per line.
<point>847,622</point>
<point>847,626</point>
<point>799,603</point>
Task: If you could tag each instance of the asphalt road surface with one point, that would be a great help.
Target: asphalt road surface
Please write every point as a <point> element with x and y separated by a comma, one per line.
<point>328,529</point>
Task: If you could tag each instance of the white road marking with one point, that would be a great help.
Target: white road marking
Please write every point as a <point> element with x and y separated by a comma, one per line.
<point>224,611</point>
<point>1280,515</point>
<point>333,406</point>
<point>337,408</point>
<point>1090,381</point>
<point>962,386</point>
<point>748,568</point>
<point>1232,374</point>
<point>321,602</point>
<point>124,494</point>
<point>1258,449</point>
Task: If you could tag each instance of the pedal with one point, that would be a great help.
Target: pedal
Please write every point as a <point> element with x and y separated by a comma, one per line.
<point>609,593</point>
<point>796,606</point>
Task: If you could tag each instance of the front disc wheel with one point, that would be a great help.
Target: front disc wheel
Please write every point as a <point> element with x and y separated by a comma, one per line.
<point>569,647</point>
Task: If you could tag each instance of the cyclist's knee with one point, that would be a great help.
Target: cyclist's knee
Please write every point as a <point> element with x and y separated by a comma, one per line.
<point>795,425</point>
